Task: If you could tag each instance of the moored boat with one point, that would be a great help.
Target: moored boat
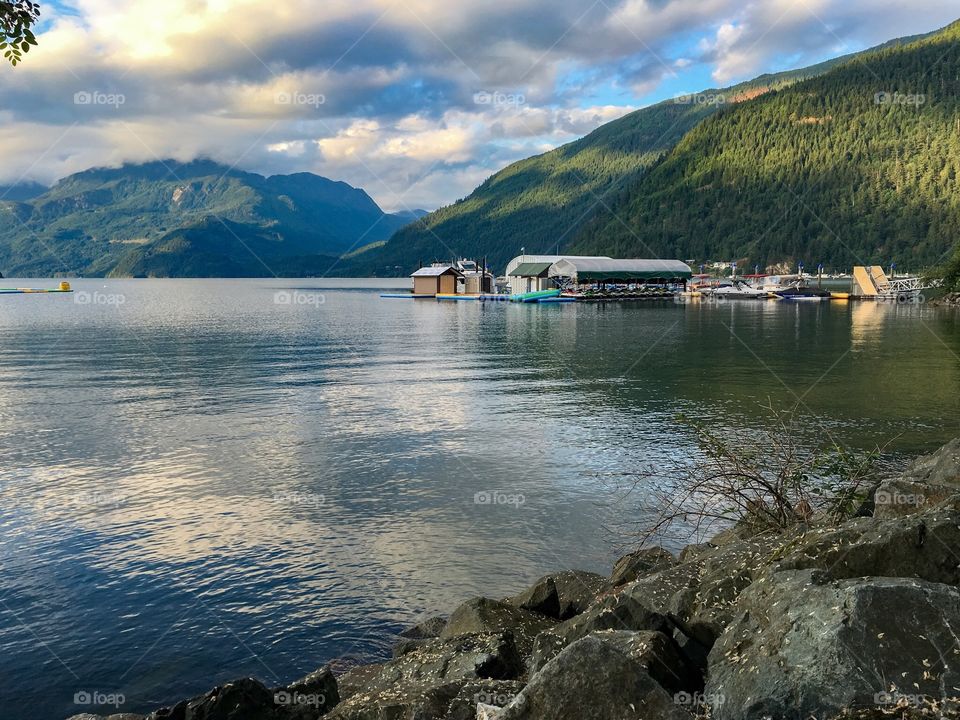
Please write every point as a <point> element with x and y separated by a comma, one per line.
<point>532,297</point>
<point>737,290</point>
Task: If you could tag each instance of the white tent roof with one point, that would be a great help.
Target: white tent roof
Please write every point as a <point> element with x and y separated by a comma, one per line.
<point>521,259</point>
<point>593,268</point>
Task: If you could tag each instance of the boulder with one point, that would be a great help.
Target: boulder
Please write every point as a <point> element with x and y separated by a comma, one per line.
<point>600,677</point>
<point>356,679</point>
<point>614,612</point>
<point>939,468</point>
<point>416,636</point>
<point>403,647</point>
<point>927,481</point>
<point>919,546</point>
<point>640,563</point>
<point>417,703</point>
<point>247,698</point>
<point>483,615</point>
<point>803,645</point>
<point>429,628</point>
<point>562,595</point>
<point>698,595</point>
<point>313,695</point>
<point>425,682</point>
<point>898,497</point>
<point>493,694</point>
<point>691,552</point>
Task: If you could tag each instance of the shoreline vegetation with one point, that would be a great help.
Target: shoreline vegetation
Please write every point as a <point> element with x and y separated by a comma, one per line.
<point>798,613</point>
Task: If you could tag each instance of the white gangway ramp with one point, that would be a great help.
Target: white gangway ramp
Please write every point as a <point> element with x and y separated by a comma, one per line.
<point>872,281</point>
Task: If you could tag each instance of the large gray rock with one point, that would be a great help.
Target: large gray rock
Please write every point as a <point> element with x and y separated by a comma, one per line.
<point>483,615</point>
<point>418,635</point>
<point>305,699</point>
<point>803,646</point>
<point>245,699</point>
<point>356,679</point>
<point>562,595</point>
<point>620,611</point>
<point>423,683</point>
<point>429,628</point>
<point>929,480</point>
<point>600,677</point>
<point>939,468</point>
<point>418,703</point>
<point>698,595</point>
<point>637,564</point>
<point>921,546</point>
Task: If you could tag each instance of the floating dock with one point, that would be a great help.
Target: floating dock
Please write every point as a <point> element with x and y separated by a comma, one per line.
<point>63,288</point>
<point>406,296</point>
<point>486,297</point>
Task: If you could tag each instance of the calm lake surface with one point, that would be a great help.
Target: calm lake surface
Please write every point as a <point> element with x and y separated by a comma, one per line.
<point>203,480</point>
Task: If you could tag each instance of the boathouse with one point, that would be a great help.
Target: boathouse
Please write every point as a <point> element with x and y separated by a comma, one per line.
<point>436,280</point>
<point>530,273</point>
<point>600,271</point>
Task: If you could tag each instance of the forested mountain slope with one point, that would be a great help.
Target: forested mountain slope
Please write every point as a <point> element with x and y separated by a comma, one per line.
<point>859,165</point>
<point>541,203</point>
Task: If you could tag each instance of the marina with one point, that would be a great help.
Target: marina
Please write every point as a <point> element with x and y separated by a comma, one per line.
<point>542,279</point>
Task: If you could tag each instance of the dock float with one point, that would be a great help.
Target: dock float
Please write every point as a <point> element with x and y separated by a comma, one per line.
<point>486,297</point>
<point>406,296</point>
<point>63,288</point>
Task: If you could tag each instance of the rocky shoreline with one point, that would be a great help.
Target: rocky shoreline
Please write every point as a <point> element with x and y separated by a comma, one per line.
<point>859,619</point>
<point>948,300</point>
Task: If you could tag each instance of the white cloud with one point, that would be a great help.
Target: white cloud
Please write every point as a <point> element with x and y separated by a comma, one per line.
<point>382,94</point>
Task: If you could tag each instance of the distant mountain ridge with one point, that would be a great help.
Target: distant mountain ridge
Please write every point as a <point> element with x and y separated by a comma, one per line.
<point>126,221</point>
<point>557,201</point>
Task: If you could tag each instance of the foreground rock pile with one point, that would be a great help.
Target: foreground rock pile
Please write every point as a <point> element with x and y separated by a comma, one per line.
<point>860,620</point>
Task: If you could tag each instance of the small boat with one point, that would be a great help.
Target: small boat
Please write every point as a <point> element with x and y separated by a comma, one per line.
<point>737,290</point>
<point>532,297</point>
<point>475,278</point>
<point>802,293</point>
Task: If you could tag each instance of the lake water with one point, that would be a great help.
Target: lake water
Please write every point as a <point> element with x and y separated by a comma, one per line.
<point>203,480</point>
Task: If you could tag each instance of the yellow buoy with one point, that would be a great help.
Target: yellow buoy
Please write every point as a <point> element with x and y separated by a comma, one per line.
<point>65,286</point>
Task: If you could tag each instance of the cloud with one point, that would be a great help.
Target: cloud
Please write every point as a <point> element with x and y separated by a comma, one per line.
<point>416,101</point>
<point>779,34</point>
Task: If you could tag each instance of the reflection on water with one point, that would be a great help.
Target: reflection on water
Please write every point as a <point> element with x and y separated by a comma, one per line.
<point>199,483</point>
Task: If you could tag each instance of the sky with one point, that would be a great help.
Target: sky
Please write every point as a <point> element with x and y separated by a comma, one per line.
<point>416,101</point>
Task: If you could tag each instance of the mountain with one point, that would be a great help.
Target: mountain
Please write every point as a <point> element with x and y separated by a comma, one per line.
<point>545,202</point>
<point>150,219</point>
<point>21,191</point>
<point>857,166</point>
<point>220,248</point>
